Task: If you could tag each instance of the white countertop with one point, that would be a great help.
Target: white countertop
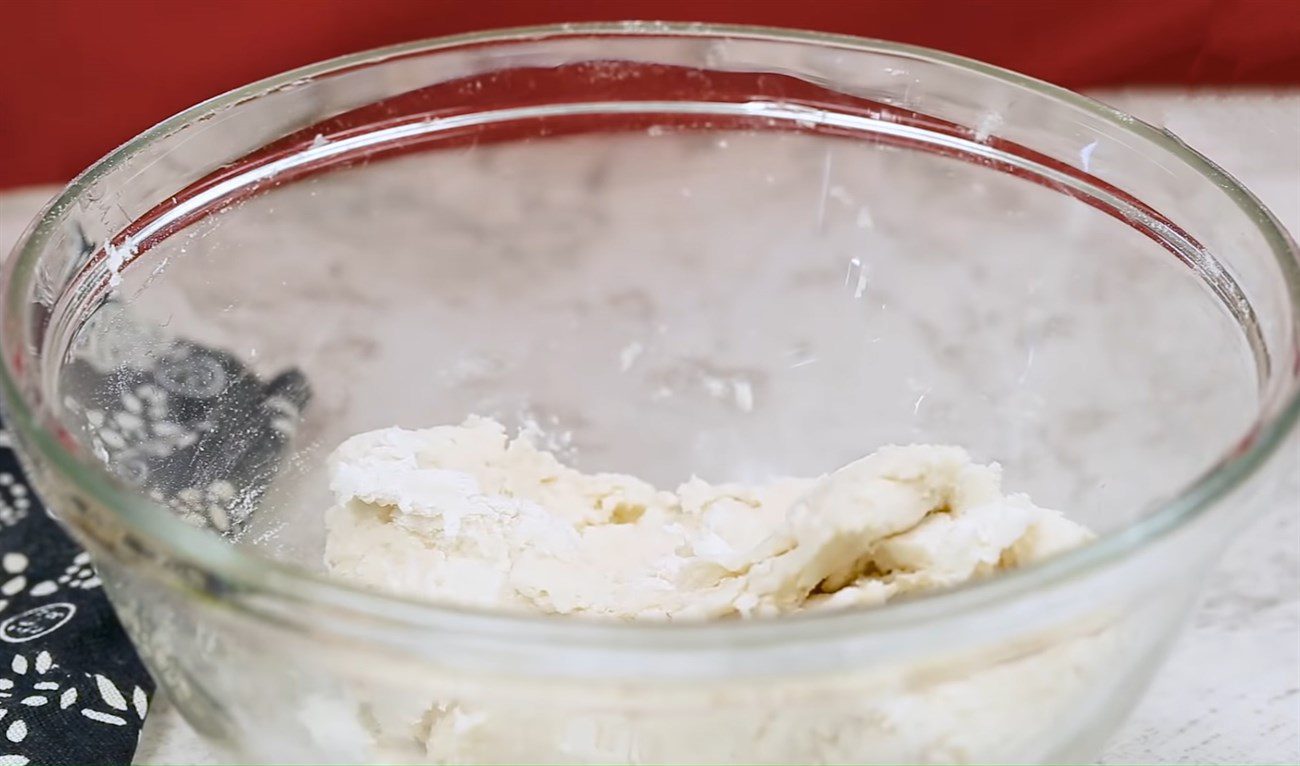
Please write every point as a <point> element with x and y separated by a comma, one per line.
<point>1230,691</point>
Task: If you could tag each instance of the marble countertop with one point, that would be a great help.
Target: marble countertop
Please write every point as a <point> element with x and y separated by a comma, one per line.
<point>1230,691</point>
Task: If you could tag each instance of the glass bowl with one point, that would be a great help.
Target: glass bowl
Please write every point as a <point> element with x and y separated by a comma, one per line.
<point>663,250</point>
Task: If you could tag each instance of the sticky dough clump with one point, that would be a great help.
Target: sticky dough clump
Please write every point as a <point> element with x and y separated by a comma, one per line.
<point>465,515</point>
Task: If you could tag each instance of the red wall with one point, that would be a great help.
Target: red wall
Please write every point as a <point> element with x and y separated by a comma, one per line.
<point>78,77</point>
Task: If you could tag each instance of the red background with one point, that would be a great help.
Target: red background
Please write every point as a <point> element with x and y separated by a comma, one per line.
<point>78,77</point>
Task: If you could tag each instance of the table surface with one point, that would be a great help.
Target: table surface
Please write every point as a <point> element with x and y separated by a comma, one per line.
<point>1230,690</point>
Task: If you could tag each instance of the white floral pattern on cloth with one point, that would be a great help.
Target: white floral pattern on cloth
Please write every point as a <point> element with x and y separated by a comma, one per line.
<point>79,574</point>
<point>15,500</point>
<point>35,687</point>
<point>72,687</point>
<point>66,667</point>
<point>188,424</point>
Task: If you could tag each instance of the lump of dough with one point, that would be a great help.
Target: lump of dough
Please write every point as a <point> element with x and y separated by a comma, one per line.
<point>464,515</point>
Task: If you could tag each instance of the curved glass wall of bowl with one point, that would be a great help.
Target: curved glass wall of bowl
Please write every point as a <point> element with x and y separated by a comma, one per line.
<point>734,258</point>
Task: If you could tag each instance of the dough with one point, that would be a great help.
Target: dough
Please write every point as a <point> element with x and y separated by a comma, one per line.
<point>464,515</point>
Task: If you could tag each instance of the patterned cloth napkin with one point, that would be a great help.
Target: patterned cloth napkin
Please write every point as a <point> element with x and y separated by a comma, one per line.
<point>72,689</point>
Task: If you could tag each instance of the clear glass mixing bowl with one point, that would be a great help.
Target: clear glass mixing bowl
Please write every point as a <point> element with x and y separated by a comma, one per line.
<point>667,250</point>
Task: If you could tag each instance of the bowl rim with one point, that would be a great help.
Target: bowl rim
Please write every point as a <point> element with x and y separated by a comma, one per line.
<point>1278,416</point>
